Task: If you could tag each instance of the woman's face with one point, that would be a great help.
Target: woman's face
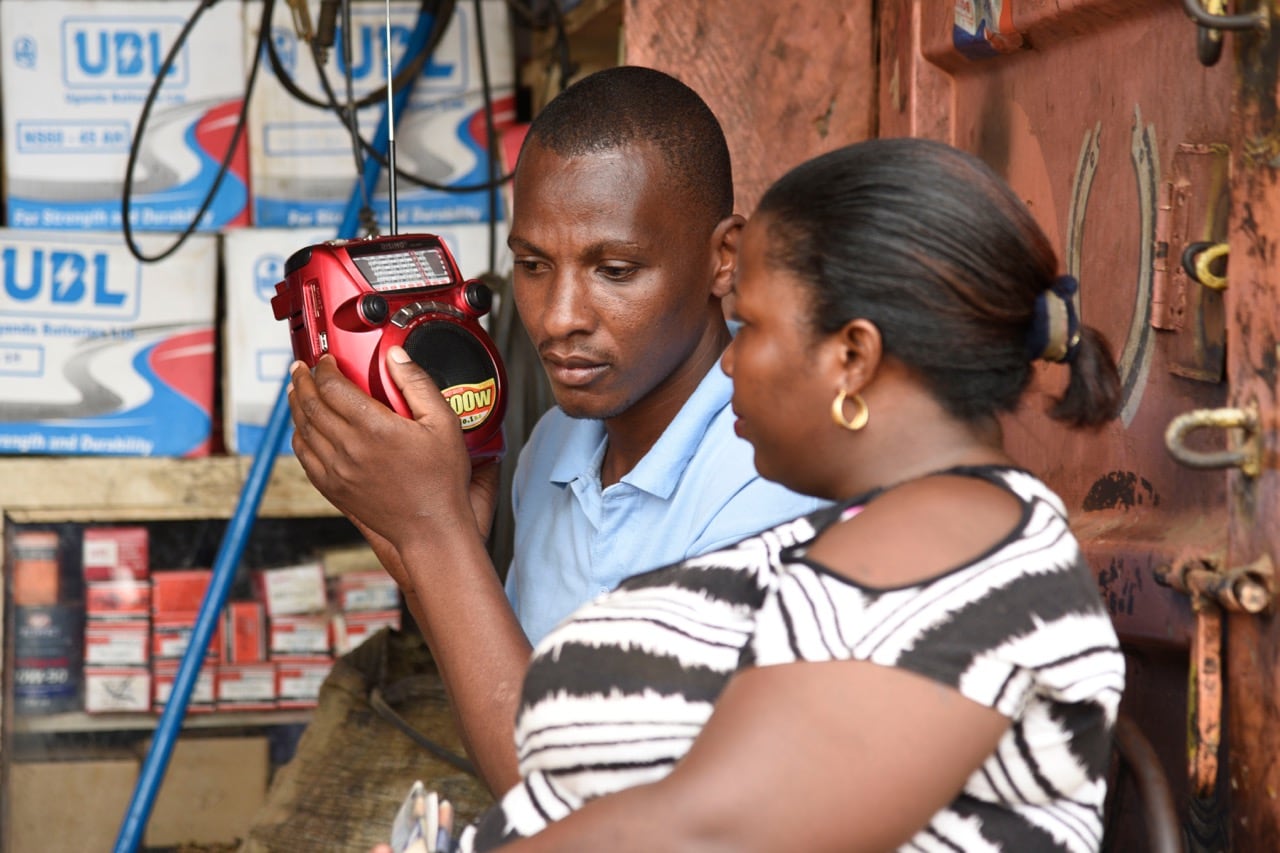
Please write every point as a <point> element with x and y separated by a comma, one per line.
<point>782,383</point>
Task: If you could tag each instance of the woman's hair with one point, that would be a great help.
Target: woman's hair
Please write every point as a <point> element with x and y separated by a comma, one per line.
<point>926,242</point>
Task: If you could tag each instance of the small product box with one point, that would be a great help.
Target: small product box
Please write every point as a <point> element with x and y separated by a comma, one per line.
<point>34,580</point>
<point>123,599</point>
<point>353,628</point>
<point>110,690</point>
<point>179,591</point>
<point>171,634</point>
<point>202,692</point>
<point>116,553</point>
<point>101,354</point>
<point>301,159</point>
<point>290,590</point>
<point>76,74</point>
<point>298,681</point>
<point>303,634</point>
<point>245,633</point>
<point>246,686</point>
<point>257,351</point>
<point>364,591</point>
<point>125,642</point>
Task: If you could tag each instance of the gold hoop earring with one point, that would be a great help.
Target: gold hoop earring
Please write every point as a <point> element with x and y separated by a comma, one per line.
<point>860,416</point>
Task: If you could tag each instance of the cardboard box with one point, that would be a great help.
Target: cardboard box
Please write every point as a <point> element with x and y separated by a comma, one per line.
<point>179,591</point>
<point>352,629</point>
<point>75,74</point>
<point>34,576</point>
<point>171,634</point>
<point>211,790</point>
<point>298,681</point>
<point>111,690</point>
<point>305,634</point>
<point>116,553</point>
<point>257,352</point>
<point>244,633</point>
<point>125,642</point>
<point>68,806</point>
<point>372,590</point>
<point>290,590</point>
<point>101,354</point>
<point>124,599</point>
<point>301,165</point>
<point>201,699</point>
<point>246,686</point>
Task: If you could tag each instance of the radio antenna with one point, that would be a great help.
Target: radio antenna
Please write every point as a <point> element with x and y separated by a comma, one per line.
<point>391,131</point>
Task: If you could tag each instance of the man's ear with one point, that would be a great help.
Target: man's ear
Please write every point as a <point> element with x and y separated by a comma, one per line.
<point>724,242</point>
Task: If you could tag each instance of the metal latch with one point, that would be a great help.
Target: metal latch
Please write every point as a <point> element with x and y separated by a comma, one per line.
<point>1248,455</point>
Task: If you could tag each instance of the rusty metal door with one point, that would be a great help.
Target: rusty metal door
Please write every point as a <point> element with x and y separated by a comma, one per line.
<point>1149,164</point>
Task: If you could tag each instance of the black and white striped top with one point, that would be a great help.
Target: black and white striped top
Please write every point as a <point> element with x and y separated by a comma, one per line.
<point>617,693</point>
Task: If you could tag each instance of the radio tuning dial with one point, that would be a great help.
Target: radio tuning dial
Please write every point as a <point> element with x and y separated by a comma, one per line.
<point>373,308</point>
<point>479,297</point>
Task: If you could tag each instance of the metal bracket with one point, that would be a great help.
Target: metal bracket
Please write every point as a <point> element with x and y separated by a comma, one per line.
<point>1248,458</point>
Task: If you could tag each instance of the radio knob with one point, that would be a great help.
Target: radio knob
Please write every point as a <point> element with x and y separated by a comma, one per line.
<point>479,297</point>
<point>373,308</point>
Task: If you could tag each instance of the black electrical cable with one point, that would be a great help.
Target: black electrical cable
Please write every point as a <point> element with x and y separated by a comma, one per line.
<point>491,135</point>
<point>352,119</point>
<point>443,15</point>
<point>149,102</point>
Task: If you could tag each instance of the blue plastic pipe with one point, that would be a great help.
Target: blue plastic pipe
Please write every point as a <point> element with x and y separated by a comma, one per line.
<point>240,525</point>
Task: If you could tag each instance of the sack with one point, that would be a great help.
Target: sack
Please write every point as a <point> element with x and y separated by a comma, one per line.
<point>354,765</point>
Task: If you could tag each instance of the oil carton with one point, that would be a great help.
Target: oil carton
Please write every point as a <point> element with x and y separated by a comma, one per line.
<point>256,351</point>
<point>302,162</point>
<point>76,74</point>
<point>101,354</point>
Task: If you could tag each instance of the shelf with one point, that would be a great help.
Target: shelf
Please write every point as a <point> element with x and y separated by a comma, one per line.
<point>78,721</point>
<point>115,488</point>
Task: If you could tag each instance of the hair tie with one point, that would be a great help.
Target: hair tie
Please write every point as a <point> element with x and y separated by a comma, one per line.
<point>1054,334</point>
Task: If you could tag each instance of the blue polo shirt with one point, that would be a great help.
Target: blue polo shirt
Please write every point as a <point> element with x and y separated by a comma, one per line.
<point>695,490</point>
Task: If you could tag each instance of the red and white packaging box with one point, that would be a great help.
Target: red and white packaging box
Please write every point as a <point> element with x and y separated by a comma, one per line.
<point>303,635</point>
<point>245,633</point>
<point>171,634</point>
<point>179,590</point>
<point>116,553</point>
<point>111,690</point>
<point>122,599</point>
<point>364,591</point>
<point>352,629</point>
<point>246,686</point>
<point>298,681</point>
<point>202,695</point>
<point>290,590</point>
<point>117,642</point>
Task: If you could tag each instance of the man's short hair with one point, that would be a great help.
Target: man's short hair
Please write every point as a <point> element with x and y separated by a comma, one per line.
<point>629,104</point>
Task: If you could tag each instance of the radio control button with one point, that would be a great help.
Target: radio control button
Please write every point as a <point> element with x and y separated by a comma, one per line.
<point>373,309</point>
<point>479,296</point>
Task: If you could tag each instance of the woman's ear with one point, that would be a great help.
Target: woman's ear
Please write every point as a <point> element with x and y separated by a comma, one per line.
<point>858,350</point>
<point>724,243</point>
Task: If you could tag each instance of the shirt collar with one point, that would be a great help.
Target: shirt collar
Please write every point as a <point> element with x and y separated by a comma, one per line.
<point>660,470</point>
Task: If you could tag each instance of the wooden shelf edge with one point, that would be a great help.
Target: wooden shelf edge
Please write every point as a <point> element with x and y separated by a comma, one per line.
<point>116,488</point>
<point>78,721</point>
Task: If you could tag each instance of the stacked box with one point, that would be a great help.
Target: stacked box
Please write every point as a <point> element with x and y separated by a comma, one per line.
<point>117,566</point>
<point>101,354</point>
<point>176,597</point>
<point>302,165</point>
<point>75,76</point>
<point>298,639</point>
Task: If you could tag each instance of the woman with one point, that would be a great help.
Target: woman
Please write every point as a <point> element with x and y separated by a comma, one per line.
<point>924,666</point>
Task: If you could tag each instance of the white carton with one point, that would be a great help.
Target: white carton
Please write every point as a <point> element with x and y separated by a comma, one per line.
<point>302,164</point>
<point>75,76</point>
<point>101,354</point>
<point>257,352</point>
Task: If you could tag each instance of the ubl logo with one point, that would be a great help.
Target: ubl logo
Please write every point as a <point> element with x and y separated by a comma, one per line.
<point>369,57</point>
<point>57,278</point>
<point>101,53</point>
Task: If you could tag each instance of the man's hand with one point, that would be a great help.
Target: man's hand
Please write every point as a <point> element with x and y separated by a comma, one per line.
<point>393,476</point>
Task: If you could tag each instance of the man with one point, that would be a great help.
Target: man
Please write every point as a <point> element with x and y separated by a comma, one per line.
<point>625,243</point>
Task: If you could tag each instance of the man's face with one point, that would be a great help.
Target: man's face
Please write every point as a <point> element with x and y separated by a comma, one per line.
<point>613,274</point>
